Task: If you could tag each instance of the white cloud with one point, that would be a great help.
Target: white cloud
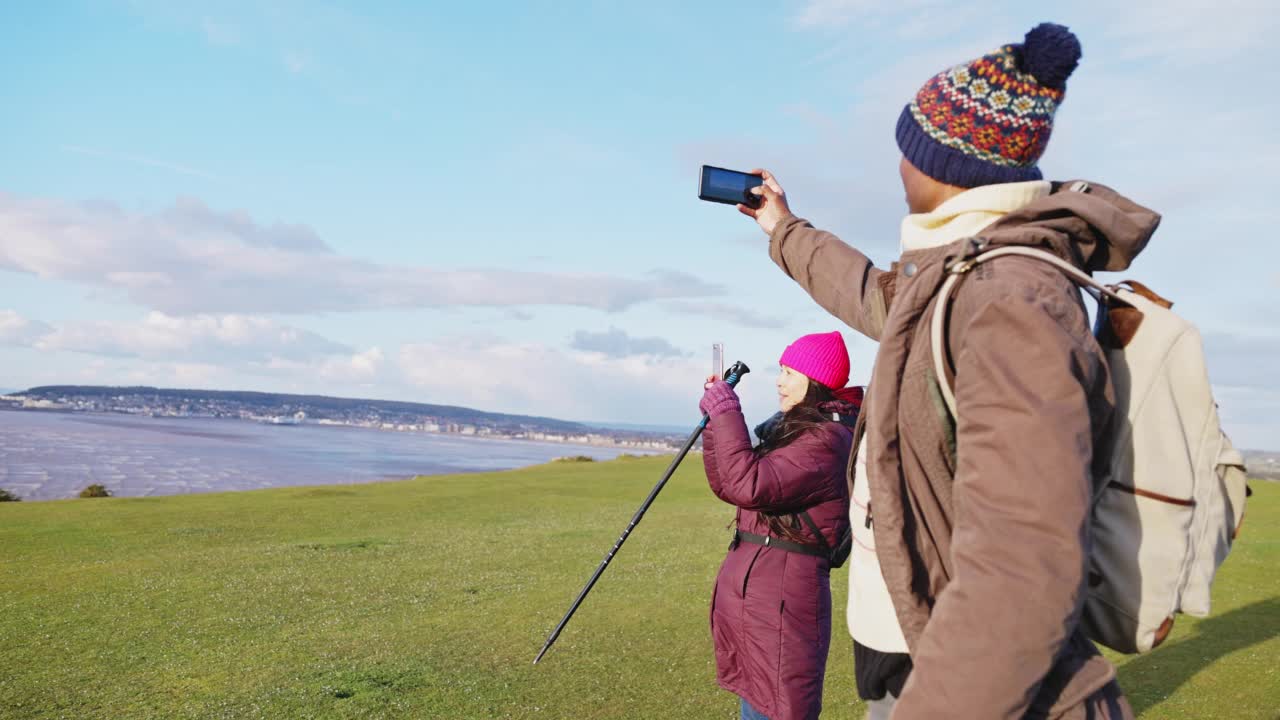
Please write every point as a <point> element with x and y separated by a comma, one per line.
<point>361,368</point>
<point>616,343</point>
<point>190,218</point>
<point>194,374</point>
<point>364,365</point>
<point>156,373</point>
<point>192,259</point>
<point>197,351</point>
<point>17,330</point>
<point>731,313</point>
<point>204,338</point>
<point>535,379</point>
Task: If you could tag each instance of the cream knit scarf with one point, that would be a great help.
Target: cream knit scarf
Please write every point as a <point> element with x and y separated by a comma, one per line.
<point>968,213</point>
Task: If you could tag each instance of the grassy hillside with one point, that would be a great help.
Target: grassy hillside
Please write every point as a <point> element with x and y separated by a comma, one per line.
<point>430,598</point>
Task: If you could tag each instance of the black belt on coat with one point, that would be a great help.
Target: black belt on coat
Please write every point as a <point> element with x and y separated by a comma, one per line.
<point>787,545</point>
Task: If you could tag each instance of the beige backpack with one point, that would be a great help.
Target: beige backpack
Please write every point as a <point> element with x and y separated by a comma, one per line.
<point>1171,502</point>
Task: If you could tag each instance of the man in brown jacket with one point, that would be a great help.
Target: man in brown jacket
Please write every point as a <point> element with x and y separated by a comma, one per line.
<point>981,524</point>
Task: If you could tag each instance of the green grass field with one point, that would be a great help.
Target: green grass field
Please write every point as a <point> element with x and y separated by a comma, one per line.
<point>429,598</point>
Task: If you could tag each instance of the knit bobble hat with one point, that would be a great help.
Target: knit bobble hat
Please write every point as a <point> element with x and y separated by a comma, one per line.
<point>821,357</point>
<point>988,121</point>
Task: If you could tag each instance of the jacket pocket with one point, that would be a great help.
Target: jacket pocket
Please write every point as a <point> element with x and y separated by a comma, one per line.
<point>746,574</point>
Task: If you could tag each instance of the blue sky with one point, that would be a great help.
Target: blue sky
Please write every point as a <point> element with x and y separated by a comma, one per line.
<point>494,205</point>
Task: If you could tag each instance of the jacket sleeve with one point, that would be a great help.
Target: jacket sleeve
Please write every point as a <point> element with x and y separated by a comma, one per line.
<point>709,456</point>
<point>1024,443</point>
<point>839,278</point>
<point>795,476</point>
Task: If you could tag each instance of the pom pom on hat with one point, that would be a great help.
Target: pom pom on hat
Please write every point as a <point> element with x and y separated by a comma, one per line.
<point>1050,53</point>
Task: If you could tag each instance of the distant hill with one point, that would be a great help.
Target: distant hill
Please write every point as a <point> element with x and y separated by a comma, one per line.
<point>236,403</point>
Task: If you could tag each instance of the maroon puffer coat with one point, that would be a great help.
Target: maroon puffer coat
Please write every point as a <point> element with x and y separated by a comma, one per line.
<point>771,609</point>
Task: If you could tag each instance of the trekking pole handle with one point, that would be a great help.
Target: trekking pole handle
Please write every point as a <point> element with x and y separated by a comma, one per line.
<point>735,373</point>
<point>731,376</point>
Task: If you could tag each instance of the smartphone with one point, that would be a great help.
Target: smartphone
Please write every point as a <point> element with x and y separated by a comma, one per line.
<point>717,360</point>
<point>728,186</point>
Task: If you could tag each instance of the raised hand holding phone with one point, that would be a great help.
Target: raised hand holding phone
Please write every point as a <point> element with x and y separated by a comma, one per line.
<point>757,194</point>
<point>772,207</point>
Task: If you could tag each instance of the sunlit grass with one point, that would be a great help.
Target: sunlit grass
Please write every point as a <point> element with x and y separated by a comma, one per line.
<point>431,597</point>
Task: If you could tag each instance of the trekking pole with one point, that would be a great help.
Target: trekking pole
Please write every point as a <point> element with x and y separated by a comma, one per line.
<point>731,376</point>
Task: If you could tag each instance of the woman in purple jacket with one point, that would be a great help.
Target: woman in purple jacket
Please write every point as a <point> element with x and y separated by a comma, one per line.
<point>771,609</point>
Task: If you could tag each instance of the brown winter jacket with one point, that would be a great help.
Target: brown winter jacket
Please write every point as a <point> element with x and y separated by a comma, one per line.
<point>982,526</point>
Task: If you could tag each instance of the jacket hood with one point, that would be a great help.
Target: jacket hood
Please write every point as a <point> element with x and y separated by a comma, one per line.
<point>1088,223</point>
<point>846,405</point>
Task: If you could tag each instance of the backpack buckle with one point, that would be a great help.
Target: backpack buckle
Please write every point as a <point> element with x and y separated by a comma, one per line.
<point>972,250</point>
<point>962,266</point>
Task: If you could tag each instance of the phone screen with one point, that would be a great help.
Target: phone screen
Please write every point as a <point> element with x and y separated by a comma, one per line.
<point>717,359</point>
<point>728,186</point>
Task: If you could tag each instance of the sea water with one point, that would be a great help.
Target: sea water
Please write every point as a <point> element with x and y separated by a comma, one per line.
<point>48,455</point>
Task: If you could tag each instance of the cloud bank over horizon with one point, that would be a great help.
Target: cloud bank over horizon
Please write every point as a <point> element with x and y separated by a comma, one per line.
<point>190,259</point>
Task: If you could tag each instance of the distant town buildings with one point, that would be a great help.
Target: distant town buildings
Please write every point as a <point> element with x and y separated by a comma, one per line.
<point>279,409</point>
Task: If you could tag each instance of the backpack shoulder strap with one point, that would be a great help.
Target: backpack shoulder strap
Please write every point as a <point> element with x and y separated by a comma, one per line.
<point>813,526</point>
<point>957,270</point>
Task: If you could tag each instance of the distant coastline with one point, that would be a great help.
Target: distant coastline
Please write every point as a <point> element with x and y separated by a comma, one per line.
<point>289,409</point>
<point>385,415</point>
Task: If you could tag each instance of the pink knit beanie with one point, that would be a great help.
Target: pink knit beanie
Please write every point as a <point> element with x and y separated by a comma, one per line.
<point>821,356</point>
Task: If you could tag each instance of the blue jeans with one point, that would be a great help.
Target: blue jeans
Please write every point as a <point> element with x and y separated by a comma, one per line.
<point>750,713</point>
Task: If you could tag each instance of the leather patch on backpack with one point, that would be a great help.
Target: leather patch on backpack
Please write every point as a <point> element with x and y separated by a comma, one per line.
<point>1122,322</point>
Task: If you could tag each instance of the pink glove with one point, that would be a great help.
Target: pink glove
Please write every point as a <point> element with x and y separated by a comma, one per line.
<point>719,399</point>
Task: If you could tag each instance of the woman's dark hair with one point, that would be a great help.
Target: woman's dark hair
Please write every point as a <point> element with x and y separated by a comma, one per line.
<point>802,418</point>
<point>798,420</point>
